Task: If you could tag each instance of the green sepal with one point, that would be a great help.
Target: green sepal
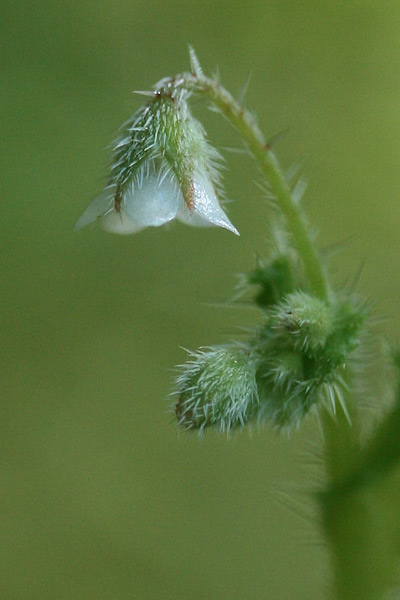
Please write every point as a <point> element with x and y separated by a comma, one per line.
<point>273,281</point>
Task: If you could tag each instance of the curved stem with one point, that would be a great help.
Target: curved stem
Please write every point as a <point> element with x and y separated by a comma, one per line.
<point>244,123</point>
<point>350,515</point>
<point>341,438</point>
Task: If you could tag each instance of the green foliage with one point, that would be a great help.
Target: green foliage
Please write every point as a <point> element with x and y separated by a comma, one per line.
<point>273,280</point>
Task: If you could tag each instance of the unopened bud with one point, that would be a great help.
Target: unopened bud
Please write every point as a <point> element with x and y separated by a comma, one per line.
<point>305,320</point>
<point>218,388</point>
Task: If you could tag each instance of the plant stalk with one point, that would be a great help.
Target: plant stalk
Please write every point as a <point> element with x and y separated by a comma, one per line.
<point>338,509</point>
<point>245,125</point>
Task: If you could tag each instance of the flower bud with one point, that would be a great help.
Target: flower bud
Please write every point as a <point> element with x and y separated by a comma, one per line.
<point>217,388</point>
<point>284,392</point>
<point>302,349</point>
<point>305,320</point>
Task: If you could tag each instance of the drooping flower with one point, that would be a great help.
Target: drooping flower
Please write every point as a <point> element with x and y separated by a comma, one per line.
<point>163,168</point>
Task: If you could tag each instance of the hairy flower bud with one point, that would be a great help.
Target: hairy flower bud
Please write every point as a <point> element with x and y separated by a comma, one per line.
<point>302,348</point>
<point>307,320</point>
<point>285,393</point>
<point>162,169</point>
<point>218,388</point>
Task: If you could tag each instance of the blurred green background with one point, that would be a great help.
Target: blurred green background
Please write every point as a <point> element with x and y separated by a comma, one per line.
<point>101,497</point>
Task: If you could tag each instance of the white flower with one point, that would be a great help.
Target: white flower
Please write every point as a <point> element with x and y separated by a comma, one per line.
<point>153,198</point>
<point>163,168</point>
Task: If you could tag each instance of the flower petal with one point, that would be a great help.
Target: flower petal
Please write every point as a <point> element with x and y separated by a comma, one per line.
<point>119,222</point>
<point>207,210</point>
<point>97,208</point>
<point>152,200</point>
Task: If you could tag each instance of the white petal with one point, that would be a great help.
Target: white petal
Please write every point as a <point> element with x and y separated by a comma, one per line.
<point>119,222</point>
<point>97,208</point>
<point>152,200</point>
<point>207,211</point>
<point>191,218</point>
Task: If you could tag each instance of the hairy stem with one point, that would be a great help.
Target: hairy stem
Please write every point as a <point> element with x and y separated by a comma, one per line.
<point>355,548</point>
<point>363,561</point>
<point>244,123</point>
<point>364,557</point>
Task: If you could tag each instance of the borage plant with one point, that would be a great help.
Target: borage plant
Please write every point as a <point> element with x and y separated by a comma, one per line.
<point>306,356</point>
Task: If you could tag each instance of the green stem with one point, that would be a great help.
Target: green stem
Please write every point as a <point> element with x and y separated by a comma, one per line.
<point>363,561</point>
<point>348,519</point>
<point>245,125</point>
<point>364,554</point>
<point>364,558</point>
<point>380,455</point>
<point>341,435</point>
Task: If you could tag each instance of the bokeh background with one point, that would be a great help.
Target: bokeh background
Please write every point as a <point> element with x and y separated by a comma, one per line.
<point>101,497</point>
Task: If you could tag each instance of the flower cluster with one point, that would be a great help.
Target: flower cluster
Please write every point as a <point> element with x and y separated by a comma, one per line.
<point>294,359</point>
